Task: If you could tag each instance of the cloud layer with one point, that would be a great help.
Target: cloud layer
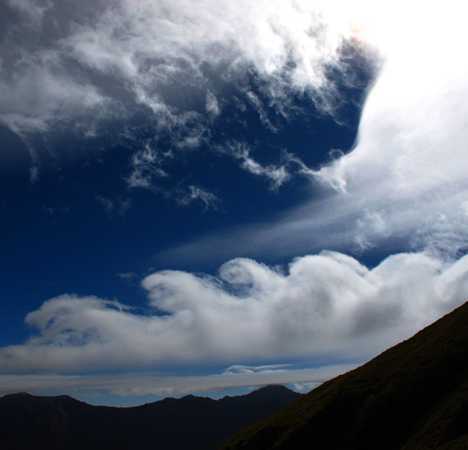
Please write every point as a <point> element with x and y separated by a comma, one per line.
<point>324,306</point>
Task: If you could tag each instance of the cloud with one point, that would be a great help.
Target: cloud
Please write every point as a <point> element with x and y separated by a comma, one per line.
<point>197,194</point>
<point>407,165</point>
<point>268,368</point>
<point>40,92</point>
<point>86,67</point>
<point>304,388</point>
<point>118,206</point>
<point>403,184</point>
<point>212,105</point>
<point>145,166</point>
<point>153,54</point>
<point>323,306</point>
<point>127,276</point>
<point>138,385</point>
<point>33,10</point>
<point>278,175</point>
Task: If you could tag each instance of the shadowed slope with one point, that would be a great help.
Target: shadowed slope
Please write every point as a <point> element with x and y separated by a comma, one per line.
<point>414,396</point>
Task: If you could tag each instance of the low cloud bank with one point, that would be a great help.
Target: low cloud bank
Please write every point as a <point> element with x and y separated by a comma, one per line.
<point>322,307</point>
<point>135,386</point>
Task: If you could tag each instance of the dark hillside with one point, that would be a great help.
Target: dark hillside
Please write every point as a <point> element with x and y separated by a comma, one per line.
<point>414,396</point>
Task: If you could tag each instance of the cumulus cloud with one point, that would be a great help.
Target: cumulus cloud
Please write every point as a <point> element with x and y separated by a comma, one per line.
<point>323,306</point>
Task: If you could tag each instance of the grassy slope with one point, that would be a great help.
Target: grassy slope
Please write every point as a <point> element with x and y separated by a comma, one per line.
<point>413,396</point>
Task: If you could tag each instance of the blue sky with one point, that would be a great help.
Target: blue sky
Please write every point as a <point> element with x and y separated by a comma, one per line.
<point>99,236</point>
<point>264,190</point>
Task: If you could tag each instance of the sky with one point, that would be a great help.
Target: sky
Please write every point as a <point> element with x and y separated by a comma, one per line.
<point>208,199</point>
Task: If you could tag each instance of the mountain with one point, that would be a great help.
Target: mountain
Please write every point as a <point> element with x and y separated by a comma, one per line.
<point>414,396</point>
<point>56,423</point>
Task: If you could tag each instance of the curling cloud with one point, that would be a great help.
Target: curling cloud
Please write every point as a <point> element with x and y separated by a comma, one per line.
<point>324,306</point>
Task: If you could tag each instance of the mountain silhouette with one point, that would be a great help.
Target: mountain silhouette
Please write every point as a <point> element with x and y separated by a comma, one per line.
<point>413,396</point>
<point>63,423</point>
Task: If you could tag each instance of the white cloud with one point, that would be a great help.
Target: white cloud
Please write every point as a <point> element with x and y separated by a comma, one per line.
<point>409,162</point>
<point>303,388</point>
<point>268,368</point>
<point>197,194</point>
<point>212,105</point>
<point>33,10</point>
<point>40,92</point>
<point>266,35</point>
<point>145,53</point>
<point>278,175</point>
<point>325,305</point>
<point>81,66</point>
<point>145,166</point>
<point>404,180</point>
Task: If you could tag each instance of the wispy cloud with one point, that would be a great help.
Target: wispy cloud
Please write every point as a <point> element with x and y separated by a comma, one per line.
<point>197,194</point>
<point>145,167</point>
<point>268,368</point>
<point>127,276</point>
<point>118,206</point>
<point>277,175</point>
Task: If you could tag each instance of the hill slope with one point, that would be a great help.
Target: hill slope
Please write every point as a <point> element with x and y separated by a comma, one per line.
<point>414,396</point>
<point>57,423</point>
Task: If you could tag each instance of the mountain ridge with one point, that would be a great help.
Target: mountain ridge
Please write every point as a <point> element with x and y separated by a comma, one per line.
<point>62,422</point>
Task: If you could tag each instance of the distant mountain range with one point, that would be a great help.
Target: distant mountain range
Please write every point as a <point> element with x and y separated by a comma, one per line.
<point>414,396</point>
<point>63,423</point>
